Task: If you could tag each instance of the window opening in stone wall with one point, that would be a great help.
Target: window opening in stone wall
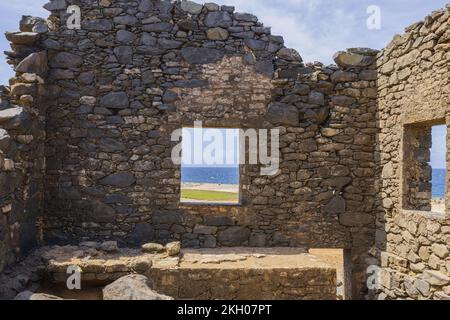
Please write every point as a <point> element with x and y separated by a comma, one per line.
<point>424,167</point>
<point>210,166</point>
<point>438,165</point>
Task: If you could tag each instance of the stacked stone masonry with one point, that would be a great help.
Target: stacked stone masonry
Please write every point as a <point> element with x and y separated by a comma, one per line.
<point>413,94</point>
<point>90,115</point>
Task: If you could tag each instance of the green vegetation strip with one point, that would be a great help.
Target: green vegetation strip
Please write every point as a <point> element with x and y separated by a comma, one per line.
<point>205,195</point>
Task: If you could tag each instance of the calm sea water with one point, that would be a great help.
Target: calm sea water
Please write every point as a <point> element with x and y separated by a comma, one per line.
<point>231,176</point>
<point>438,183</point>
<point>220,175</point>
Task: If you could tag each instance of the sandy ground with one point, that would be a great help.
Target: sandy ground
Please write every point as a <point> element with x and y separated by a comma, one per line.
<point>234,188</point>
<point>438,205</point>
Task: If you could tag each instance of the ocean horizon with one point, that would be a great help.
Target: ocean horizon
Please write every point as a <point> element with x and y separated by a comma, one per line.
<point>230,175</point>
<point>215,175</point>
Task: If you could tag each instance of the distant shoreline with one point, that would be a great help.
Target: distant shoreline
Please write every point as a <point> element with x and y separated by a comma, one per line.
<point>220,187</point>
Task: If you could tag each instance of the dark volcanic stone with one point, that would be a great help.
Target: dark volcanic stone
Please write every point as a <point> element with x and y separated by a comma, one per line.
<point>335,206</point>
<point>265,67</point>
<point>100,212</point>
<point>169,44</point>
<point>201,55</point>
<point>158,27</point>
<point>66,60</point>
<point>124,54</point>
<point>233,236</point>
<point>218,19</point>
<point>124,36</point>
<point>120,180</point>
<point>141,234</point>
<point>115,100</point>
<point>193,83</point>
<point>257,45</point>
<point>281,113</point>
<point>111,145</point>
<point>97,25</point>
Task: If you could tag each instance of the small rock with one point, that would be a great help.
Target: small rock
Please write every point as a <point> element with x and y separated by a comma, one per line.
<point>423,287</point>
<point>349,60</point>
<point>109,246</point>
<point>22,38</point>
<point>435,278</point>
<point>34,63</point>
<point>173,248</point>
<point>28,295</point>
<point>289,55</point>
<point>132,287</point>
<point>55,5</point>
<point>27,23</point>
<point>247,17</point>
<point>141,264</point>
<point>191,7</point>
<point>217,34</point>
<point>153,248</point>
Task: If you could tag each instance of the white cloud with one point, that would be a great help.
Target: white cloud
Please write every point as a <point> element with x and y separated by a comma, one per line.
<point>315,28</point>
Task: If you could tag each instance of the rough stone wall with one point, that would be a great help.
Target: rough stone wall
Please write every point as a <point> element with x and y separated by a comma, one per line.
<point>136,71</point>
<point>140,69</point>
<point>241,284</point>
<point>413,89</point>
<point>22,136</point>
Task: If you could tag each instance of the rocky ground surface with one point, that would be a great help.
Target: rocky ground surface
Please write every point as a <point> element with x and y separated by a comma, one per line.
<point>110,273</point>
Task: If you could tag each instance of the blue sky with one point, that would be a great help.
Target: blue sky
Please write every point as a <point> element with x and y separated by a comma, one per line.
<point>220,147</point>
<point>316,28</point>
<point>439,146</point>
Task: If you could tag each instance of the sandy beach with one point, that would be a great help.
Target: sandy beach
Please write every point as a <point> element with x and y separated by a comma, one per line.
<point>438,205</point>
<point>233,188</point>
<point>210,193</point>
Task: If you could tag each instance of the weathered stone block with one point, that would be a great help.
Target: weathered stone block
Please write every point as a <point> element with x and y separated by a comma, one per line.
<point>280,113</point>
<point>115,100</point>
<point>218,19</point>
<point>217,34</point>
<point>120,180</point>
<point>201,55</point>
<point>22,38</point>
<point>34,63</point>
<point>233,236</point>
<point>66,60</point>
<point>191,7</point>
<point>349,60</point>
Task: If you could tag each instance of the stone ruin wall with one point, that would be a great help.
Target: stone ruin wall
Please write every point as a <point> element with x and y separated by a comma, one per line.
<point>113,92</point>
<point>22,154</point>
<point>413,89</point>
<point>138,70</point>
